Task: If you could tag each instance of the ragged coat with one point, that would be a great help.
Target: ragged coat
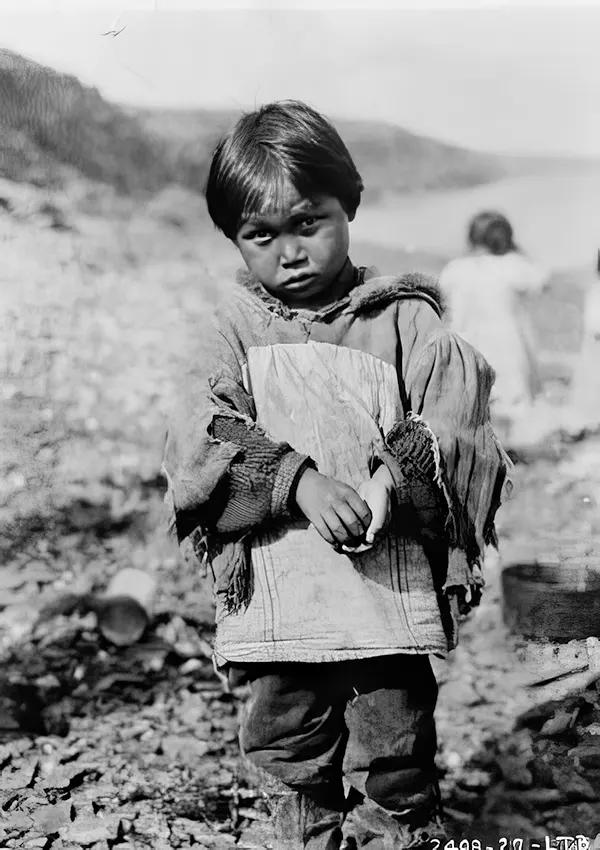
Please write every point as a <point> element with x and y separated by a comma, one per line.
<point>374,378</point>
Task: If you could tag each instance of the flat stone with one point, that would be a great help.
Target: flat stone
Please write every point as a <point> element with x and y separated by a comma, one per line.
<point>184,748</point>
<point>50,819</point>
<point>588,755</point>
<point>89,830</point>
<point>475,779</point>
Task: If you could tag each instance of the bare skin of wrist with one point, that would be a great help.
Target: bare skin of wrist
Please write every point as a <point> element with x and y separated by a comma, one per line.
<point>377,493</point>
<point>383,476</point>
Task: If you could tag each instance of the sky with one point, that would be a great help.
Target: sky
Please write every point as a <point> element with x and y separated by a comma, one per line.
<point>507,79</point>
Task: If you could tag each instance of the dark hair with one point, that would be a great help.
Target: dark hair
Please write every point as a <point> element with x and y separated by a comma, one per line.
<point>280,142</point>
<point>493,231</point>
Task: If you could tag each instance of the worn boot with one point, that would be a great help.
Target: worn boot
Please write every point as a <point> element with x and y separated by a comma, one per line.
<point>297,821</point>
<point>302,824</point>
<point>370,827</point>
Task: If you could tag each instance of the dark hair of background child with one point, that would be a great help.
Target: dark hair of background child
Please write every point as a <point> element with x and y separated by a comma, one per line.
<point>492,231</point>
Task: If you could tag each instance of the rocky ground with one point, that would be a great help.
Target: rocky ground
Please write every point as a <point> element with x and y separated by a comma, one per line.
<point>115,748</point>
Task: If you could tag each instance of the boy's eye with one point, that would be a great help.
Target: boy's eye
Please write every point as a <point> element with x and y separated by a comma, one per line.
<point>262,236</point>
<point>309,223</point>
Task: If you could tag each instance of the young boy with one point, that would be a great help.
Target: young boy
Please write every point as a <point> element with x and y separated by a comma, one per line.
<point>342,478</point>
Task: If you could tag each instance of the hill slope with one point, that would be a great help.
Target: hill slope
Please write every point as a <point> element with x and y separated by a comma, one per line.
<point>52,125</point>
<point>390,159</point>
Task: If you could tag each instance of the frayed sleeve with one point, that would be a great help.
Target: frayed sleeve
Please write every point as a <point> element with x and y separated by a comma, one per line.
<point>224,474</point>
<point>448,384</point>
<point>445,455</point>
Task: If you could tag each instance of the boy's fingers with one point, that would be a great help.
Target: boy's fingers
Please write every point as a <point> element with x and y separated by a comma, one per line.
<point>353,524</point>
<point>373,531</point>
<point>381,512</point>
<point>360,508</point>
<point>336,527</point>
<point>324,531</point>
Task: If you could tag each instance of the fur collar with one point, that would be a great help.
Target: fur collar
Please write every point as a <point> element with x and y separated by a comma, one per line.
<point>371,292</point>
<point>377,292</point>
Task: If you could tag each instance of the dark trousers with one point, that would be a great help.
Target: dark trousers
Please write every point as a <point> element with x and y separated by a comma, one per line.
<point>370,721</point>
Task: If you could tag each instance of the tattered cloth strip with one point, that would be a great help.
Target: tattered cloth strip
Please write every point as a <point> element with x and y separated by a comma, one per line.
<point>417,468</point>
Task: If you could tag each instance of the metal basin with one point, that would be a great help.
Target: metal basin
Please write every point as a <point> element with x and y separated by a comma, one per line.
<point>554,601</point>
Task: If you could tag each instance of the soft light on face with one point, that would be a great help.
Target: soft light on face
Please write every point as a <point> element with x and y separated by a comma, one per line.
<point>297,250</point>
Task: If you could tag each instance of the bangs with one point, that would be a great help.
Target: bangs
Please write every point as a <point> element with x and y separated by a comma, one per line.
<point>264,187</point>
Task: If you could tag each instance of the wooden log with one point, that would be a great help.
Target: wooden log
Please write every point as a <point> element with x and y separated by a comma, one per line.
<point>546,661</point>
<point>557,670</point>
<point>126,608</point>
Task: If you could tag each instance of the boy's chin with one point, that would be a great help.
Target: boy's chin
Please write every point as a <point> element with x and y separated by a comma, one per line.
<point>312,290</point>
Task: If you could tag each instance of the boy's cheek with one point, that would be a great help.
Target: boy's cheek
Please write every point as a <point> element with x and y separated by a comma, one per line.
<point>248,256</point>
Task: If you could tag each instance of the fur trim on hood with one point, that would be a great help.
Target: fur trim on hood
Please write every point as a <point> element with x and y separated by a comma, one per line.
<point>370,292</point>
<point>375,292</point>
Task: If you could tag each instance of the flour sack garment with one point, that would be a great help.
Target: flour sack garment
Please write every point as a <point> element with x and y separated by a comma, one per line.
<point>311,603</point>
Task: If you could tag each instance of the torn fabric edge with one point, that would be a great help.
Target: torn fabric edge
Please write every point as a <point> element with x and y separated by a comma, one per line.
<point>238,587</point>
<point>465,577</point>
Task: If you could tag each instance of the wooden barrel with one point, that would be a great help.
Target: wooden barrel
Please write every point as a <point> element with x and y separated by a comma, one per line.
<point>558,600</point>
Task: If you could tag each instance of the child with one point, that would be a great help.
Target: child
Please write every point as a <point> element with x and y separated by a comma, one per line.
<point>485,291</point>
<point>342,478</point>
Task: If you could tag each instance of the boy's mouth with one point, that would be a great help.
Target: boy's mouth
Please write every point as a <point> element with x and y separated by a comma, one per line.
<point>303,278</point>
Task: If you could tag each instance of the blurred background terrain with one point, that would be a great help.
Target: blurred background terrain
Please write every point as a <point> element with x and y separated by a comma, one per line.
<point>109,270</point>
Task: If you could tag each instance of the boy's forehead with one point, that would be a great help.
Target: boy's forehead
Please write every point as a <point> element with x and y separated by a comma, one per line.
<point>282,205</point>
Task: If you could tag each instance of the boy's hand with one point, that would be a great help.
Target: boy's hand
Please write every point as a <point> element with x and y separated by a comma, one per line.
<point>335,509</point>
<point>377,493</point>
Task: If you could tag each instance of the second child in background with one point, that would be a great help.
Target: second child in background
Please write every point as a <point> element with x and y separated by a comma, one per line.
<point>485,292</point>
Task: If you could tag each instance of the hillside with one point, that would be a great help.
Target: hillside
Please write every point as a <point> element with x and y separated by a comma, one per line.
<point>390,159</point>
<point>52,124</point>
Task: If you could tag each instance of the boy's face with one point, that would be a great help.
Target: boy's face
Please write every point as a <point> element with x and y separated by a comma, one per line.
<point>297,251</point>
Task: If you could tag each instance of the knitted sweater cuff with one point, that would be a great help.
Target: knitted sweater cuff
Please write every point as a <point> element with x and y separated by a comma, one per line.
<point>292,464</point>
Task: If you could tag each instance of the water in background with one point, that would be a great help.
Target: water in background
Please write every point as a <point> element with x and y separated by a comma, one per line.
<point>556,217</point>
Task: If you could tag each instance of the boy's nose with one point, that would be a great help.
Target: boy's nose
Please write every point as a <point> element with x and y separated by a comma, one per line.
<point>291,251</point>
